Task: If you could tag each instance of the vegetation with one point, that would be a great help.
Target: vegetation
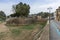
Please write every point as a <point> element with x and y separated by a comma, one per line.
<point>2,16</point>
<point>52,14</point>
<point>29,27</point>
<point>43,24</point>
<point>25,32</point>
<point>3,35</point>
<point>20,10</point>
<point>20,32</point>
<point>43,14</point>
<point>15,32</point>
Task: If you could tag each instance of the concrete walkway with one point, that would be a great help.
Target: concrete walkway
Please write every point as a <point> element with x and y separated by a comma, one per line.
<point>45,33</point>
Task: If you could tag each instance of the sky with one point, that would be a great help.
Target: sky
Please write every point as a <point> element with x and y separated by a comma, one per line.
<point>35,5</point>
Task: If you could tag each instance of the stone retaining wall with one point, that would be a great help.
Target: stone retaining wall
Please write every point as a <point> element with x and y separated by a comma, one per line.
<point>45,34</point>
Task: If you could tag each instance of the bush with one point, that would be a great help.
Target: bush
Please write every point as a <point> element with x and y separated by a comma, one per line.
<point>14,21</point>
<point>21,21</point>
<point>24,21</point>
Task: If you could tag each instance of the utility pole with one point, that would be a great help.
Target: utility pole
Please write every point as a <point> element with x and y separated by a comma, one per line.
<point>49,13</point>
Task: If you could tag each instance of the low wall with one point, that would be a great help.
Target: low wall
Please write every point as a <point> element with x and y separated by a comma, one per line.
<point>44,34</point>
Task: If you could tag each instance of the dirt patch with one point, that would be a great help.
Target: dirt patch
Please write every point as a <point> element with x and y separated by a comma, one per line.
<point>3,28</point>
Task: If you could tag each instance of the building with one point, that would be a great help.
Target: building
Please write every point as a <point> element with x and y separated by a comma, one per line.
<point>58,14</point>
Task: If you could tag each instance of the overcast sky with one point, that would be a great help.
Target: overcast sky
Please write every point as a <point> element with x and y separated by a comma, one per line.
<point>36,5</point>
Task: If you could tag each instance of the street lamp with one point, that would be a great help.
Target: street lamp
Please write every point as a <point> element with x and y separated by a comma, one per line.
<point>49,13</point>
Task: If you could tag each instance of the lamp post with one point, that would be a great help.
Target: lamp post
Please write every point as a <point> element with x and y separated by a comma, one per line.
<point>49,13</point>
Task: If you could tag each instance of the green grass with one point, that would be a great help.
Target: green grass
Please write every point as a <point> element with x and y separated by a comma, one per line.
<point>28,27</point>
<point>15,32</point>
<point>43,25</point>
<point>2,35</point>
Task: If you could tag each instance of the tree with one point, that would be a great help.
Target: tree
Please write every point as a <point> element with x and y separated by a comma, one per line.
<point>52,14</point>
<point>21,9</point>
<point>40,13</point>
<point>2,15</point>
<point>43,14</point>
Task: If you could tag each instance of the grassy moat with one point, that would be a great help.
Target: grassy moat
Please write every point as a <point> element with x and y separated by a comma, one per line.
<point>23,32</point>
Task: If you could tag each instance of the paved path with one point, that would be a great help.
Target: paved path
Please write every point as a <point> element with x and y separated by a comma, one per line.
<point>3,28</point>
<point>45,33</point>
<point>54,30</point>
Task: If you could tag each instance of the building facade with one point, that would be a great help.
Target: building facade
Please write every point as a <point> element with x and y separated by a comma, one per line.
<point>58,14</point>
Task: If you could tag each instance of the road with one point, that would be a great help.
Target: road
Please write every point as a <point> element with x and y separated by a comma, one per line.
<point>54,30</point>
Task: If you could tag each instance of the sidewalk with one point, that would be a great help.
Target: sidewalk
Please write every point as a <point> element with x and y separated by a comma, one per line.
<point>45,33</point>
